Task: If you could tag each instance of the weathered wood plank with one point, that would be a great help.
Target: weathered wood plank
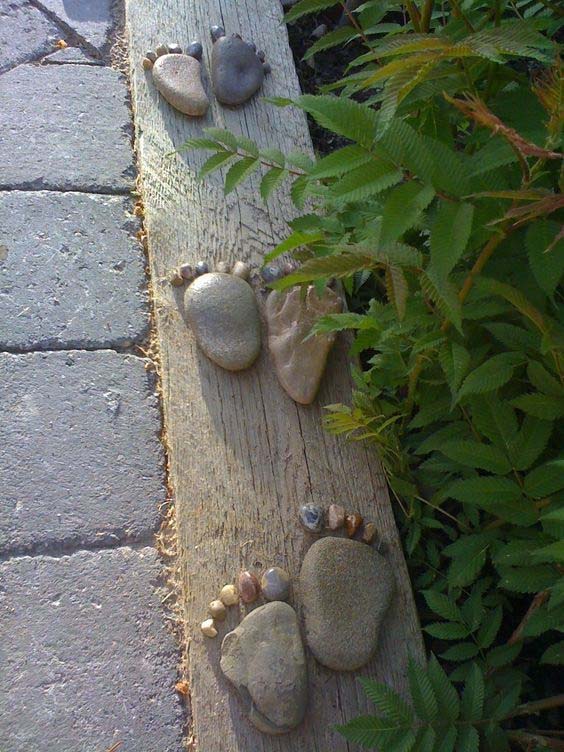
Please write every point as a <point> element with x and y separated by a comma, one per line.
<point>243,456</point>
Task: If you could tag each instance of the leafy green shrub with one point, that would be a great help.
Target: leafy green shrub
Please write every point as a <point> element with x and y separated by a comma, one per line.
<point>443,218</point>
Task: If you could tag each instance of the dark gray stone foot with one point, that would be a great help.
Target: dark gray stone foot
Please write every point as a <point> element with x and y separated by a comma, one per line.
<point>237,68</point>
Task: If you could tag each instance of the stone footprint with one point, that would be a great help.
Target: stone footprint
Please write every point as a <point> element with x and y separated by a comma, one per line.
<point>222,311</point>
<point>237,69</point>
<point>178,77</point>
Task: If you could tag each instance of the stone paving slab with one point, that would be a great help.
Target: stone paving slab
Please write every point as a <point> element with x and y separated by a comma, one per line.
<point>25,33</point>
<point>65,127</point>
<point>71,55</point>
<point>82,463</point>
<point>91,19</point>
<point>86,659</point>
<point>72,273</point>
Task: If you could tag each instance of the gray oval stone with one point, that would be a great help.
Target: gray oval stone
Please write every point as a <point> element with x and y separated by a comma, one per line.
<point>275,584</point>
<point>264,659</point>
<point>223,313</point>
<point>346,588</point>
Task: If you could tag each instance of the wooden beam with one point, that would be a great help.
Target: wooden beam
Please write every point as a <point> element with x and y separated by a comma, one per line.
<point>243,456</point>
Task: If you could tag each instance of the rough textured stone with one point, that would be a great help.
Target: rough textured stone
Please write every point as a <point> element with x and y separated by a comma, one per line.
<point>65,127</point>
<point>264,658</point>
<point>311,517</point>
<point>90,19</point>
<point>346,588</point>
<point>229,595</point>
<point>275,584</point>
<point>369,533</point>
<point>223,313</point>
<point>299,362</point>
<point>179,79</point>
<point>335,516</point>
<point>73,273</point>
<point>237,73</point>
<point>352,524</point>
<point>25,33</point>
<point>86,658</point>
<point>249,587</point>
<point>84,464</point>
<point>72,55</point>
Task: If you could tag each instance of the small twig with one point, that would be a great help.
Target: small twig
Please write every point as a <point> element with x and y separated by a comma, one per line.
<point>536,603</point>
<point>350,15</point>
<point>114,747</point>
<point>531,742</point>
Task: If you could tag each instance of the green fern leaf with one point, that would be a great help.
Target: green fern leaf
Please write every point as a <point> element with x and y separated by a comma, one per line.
<point>297,239</point>
<point>388,702</point>
<point>540,405</point>
<point>238,172</point>
<point>472,705</point>
<point>370,732</point>
<point>511,37</point>
<point>545,480</point>
<point>499,496</point>
<point>446,694</point>
<point>474,454</point>
<point>422,693</point>
<point>215,162</point>
<point>305,7</point>
<point>201,143</point>
<point>468,740</point>
<point>442,605</point>
<point>443,295</point>
<point>271,181</point>
<point>366,181</point>
<point>490,375</point>
<point>339,265</point>
<point>554,654</point>
<point>403,208</point>
<point>338,322</point>
<point>449,236</point>
<point>341,161</point>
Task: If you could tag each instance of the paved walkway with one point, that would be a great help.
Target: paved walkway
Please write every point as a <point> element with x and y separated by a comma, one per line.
<point>86,660</point>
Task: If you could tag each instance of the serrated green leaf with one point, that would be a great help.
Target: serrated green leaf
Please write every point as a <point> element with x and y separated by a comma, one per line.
<point>540,405</point>
<point>545,619</point>
<point>271,181</point>
<point>454,360</point>
<point>503,656</point>
<point>426,739</point>
<point>339,265</point>
<point>545,480</point>
<point>490,375</point>
<point>342,116</point>
<point>472,704</point>
<point>554,654</point>
<point>365,181</point>
<point>530,442</point>
<point>547,265</point>
<point>444,296</point>
<point>340,162</point>
<point>273,155</point>
<point>442,605</point>
<point>467,740</point>
<point>447,739</point>
<point>446,694</point>
<point>542,380</point>
<point>529,579</point>
<point>245,144</point>
<point>422,693</point>
<point>215,162</point>
<point>332,39</point>
<point>449,236</point>
<point>474,454</point>
<point>513,337</point>
<point>499,496</point>
<point>225,137</point>
<point>305,7</point>
<point>553,553</point>
<point>402,209</point>
<point>469,556</point>
<point>298,191</point>
<point>238,172</point>
<point>447,630</point>
<point>370,732</point>
<point>461,652</point>
<point>201,143</point>
<point>388,702</point>
<point>490,627</point>
<point>296,240</point>
<point>396,288</point>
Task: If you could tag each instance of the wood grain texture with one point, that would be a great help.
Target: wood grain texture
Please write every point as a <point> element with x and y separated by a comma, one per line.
<point>243,456</point>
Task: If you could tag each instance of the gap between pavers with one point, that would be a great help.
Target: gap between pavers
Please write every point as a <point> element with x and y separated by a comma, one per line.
<point>86,659</point>
<point>83,461</point>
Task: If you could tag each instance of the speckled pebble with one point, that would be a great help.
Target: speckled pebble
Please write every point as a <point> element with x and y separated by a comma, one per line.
<point>369,532</point>
<point>335,517</point>
<point>217,610</point>
<point>208,629</point>
<point>270,273</point>
<point>249,587</point>
<point>202,267</point>
<point>275,584</point>
<point>311,517</point>
<point>223,267</point>
<point>187,271</point>
<point>228,595</point>
<point>352,524</point>
<point>240,269</point>
<point>176,279</point>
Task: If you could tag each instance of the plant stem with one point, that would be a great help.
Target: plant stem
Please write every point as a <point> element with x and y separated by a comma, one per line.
<point>426,15</point>
<point>458,13</point>
<point>355,24</point>
<point>531,742</point>
<point>536,603</point>
<point>536,706</point>
<point>414,14</point>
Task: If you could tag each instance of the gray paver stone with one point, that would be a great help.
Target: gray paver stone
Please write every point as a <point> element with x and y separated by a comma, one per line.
<point>72,273</point>
<point>82,460</point>
<point>91,19</point>
<point>25,33</point>
<point>86,659</point>
<point>72,55</point>
<point>65,127</point>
